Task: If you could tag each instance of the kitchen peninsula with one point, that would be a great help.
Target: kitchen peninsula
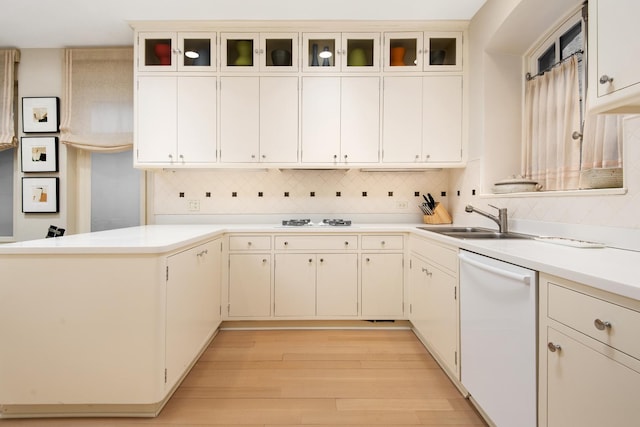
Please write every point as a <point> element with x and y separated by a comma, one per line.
<point>132,309</point>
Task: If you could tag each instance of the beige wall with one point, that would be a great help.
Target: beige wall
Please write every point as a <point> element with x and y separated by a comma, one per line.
<point>40,74</point>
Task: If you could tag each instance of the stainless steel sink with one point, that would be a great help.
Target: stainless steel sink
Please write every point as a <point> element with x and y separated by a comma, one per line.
<point>475,233</point>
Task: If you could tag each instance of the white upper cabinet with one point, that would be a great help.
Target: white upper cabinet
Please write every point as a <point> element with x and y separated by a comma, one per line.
<point>306,95</point>
<point>175,120</point>
<point>259,119</point>
<point>614,69</point>
<point>340,120</point>
<point>341,52</point>
<point>422,120</point>
<point>259,52</point>
<point>176,51</point>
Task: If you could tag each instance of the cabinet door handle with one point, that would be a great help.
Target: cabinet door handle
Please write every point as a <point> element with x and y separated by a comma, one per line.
<point>601,325</point>
<point>604,79</point>
<point>553,347</point>
<point>202,253</point>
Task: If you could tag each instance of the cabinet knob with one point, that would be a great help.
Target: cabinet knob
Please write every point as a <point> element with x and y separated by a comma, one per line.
<point>382,243</point>
<point>264,260</point>
<point>346,243</point>
<point>181,157</point>
<point>257,51</point>
<point>321,259</point>
<point>553,347</point>
<point>286,243</point>
<point>335,156</point>
<point>310,260</point>
<point>604,79</point>
<point>249,243</point>
<point>417,156</point>
<point>253,156</point>
<point>368,259</point>
<point>601,325</point>
<point>345,157</point>
<point>428,156</point>
<point>264,156</point>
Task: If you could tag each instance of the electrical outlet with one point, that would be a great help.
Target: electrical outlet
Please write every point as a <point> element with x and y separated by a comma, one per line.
<point>402,205</point>
<point>194,205</point>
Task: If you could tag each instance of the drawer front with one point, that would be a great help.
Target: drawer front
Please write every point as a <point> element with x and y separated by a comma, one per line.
<point>388,242</point>
<point>606,322</point>
<point>316,242</point>
<point>445,256</point>
<point>249,243</point>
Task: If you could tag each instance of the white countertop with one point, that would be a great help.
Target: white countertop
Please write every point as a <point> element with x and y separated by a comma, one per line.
<point>609,269</point>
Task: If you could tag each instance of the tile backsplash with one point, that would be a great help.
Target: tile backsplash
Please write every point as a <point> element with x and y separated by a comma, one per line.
<point>294,192</point>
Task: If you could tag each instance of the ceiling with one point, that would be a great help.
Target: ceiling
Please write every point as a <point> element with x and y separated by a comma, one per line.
<point>67,23</point>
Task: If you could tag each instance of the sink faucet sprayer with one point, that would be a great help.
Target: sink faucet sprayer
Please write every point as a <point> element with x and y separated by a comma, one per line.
<point>501,219</point>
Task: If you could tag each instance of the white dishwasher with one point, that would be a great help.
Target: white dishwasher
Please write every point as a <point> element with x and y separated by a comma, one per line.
<point>498,318</point>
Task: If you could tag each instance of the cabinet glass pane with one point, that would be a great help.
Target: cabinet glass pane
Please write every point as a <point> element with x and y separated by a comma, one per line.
<point>197,52</point>
<point>279,52</point>
<point>360,53</point>
<point>158,52</point>
<point>403,52</point>
<point>322,52</point>
<point>442,51</point>
<point>240,53</point>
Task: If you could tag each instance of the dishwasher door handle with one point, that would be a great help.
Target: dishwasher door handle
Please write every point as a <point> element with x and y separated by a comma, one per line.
<point>499,271</point>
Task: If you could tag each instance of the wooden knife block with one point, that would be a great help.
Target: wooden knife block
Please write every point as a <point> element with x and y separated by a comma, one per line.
<point>440,216</point>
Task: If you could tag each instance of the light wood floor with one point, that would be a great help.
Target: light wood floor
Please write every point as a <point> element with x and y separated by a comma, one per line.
<point>306,378</point>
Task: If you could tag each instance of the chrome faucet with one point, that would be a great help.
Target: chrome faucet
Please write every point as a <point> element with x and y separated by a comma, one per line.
<point>501,219</point>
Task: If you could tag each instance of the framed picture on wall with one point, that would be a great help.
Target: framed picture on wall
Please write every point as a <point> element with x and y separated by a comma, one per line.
<point>39,153</point>
<point>40,195</point>
<point>40,114</point>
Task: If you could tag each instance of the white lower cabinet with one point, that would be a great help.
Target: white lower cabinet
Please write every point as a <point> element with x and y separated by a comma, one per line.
<point>175,121</point>
<point>249,285</point>
<point>193,306</point>
<point>422,119</point>
<point>589,371</point>
<point>434,309</point>
<point>316,285</point>
<point>382,277</point>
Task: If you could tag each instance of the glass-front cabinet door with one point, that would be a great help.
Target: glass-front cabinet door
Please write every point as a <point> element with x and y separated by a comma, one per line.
<point>239,52</point>
<point>443,51</point>
<point>170,51</point>
<point>278,52</point>
<point>321,52</point>
<point>403,51</point>
<point>197,51</point>
<point>360,52</point>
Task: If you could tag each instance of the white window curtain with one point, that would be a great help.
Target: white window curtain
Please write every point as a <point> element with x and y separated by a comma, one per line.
<point>97,106</point>
<point>602,141</point>
<point>552,114</point>
<point>8,60</point>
